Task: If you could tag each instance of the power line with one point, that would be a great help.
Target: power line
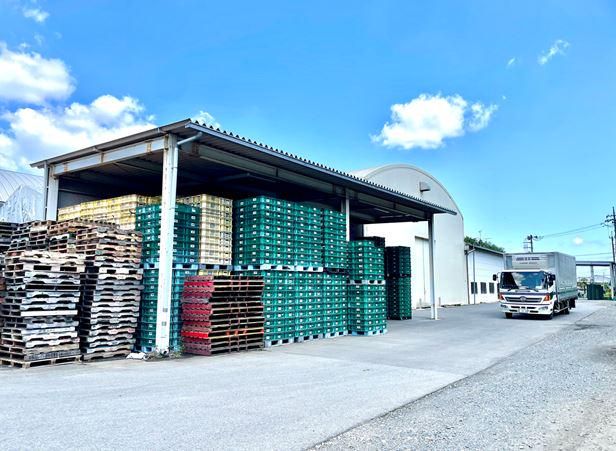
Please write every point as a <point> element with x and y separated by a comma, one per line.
<point>596,253</point>
<point>530,239</point>
<point>572,231</point>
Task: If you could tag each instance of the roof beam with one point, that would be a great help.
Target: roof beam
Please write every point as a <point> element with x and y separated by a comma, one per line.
<point>155,168</point>
<point>262,169</point>
<point>109,156</point>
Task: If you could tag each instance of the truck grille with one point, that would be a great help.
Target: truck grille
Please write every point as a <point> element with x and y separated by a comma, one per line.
<point>524,299</point>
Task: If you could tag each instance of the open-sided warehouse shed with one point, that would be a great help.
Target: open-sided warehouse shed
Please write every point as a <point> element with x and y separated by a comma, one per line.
<point>186,158</point>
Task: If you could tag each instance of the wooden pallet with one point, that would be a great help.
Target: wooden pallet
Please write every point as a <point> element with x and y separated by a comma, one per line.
<point>35,363</point>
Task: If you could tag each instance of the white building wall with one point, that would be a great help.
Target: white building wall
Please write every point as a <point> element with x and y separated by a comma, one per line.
<point>485,264</point>
<point>449,262</point>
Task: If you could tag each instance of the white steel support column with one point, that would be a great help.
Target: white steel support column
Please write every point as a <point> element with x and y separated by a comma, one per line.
<point>51,190</point>
<point>165,264</point>
<point>347,216</point>
<point>431,244</point>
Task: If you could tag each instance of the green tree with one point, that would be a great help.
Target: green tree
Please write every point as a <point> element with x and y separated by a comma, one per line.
<point>483,243</point>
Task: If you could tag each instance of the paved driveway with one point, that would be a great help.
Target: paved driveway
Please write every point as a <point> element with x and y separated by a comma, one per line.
<point>289,397</point>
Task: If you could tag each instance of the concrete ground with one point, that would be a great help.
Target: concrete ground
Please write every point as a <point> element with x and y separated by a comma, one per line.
<point>557,394</point>
<point>289,397</point>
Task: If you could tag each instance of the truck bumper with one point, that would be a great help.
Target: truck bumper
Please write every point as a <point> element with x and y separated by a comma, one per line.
<point>530,309</point>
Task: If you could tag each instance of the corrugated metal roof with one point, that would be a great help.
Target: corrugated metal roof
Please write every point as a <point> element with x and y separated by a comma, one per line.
<point>183,129</point>
<point>11,180</point>
<point>348,175</point>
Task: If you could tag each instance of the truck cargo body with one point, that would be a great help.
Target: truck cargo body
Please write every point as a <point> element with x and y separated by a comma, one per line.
<point>538,284</point>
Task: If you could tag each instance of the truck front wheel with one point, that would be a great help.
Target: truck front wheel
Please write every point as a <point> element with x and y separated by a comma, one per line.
<point>572,303</point>
<point>508,315</point>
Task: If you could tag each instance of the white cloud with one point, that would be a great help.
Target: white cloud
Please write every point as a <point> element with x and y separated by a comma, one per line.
<point>39,39</point>
<point>578,240</point>
<point>28,77</point>
<point>511,62</point>
<point>7,153</point>
<point>36,14</point>
<point>558,48</point>
<point>480,116</point>
<point>35,134</point>
<point>428,119</point>
<point>206,118</point>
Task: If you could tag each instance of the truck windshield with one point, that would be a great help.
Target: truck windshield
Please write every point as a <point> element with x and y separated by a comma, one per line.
<point>523,280</point>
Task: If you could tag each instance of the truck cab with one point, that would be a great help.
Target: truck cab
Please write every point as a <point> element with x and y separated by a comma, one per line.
<point>537,284</point>
<point>529,291</point>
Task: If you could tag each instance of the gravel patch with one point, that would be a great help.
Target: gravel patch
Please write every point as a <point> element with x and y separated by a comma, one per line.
<point>559,393</point>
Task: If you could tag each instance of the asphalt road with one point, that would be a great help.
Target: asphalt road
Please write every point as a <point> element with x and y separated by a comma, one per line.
<point>289,397</point>
<point>559,393</point>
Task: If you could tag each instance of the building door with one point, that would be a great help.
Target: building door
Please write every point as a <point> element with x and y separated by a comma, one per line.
<point>420,280</point>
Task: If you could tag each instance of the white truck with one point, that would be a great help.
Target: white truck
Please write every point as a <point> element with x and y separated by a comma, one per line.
<point>537,284</point>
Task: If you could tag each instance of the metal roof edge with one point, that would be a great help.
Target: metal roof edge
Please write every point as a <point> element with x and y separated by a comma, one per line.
<point>217,132</point>
<point>146,134</point>
<point>281,153</point>
<point>486,249</point>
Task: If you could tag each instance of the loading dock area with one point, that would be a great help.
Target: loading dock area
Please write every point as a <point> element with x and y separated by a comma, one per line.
<point>186,158</point>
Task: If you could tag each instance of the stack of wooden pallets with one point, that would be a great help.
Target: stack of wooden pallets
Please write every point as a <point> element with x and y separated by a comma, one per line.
<point>6,231</point>
<point>222,314</point>
<point>31,235</point>
<point>111,290</point>
<point>63,235</point>
<point>40,308</point>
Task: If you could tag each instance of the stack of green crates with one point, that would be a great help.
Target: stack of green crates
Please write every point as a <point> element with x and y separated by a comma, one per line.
<point>366,260</point>
<point>398,274</point>
<point>334,240</point>
<point>308,235</point>
<point>367,306</point>
<point>185,257</point>
<point>309,304</point>
<point>185,232</point>
<point>334,304</point>
<point>279,299</point>
<point>262,232</point>
<point>284,242</point>
<point>146,329</point>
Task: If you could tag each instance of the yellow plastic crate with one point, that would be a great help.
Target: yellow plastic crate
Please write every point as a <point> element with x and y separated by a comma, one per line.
<point>214,272</point>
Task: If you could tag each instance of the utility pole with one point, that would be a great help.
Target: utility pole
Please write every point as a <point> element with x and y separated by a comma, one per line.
<point>612,218</point>
<point>530,239</point>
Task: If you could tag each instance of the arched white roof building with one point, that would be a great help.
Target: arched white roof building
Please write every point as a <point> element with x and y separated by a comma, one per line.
<point>21,196</point>
<point>10,181</point>
<point>449,261</point>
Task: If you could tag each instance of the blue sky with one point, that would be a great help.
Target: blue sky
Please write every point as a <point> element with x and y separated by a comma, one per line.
<point>320,78</point>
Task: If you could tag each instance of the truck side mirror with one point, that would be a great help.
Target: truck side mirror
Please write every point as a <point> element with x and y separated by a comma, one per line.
<point>494,277</point>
